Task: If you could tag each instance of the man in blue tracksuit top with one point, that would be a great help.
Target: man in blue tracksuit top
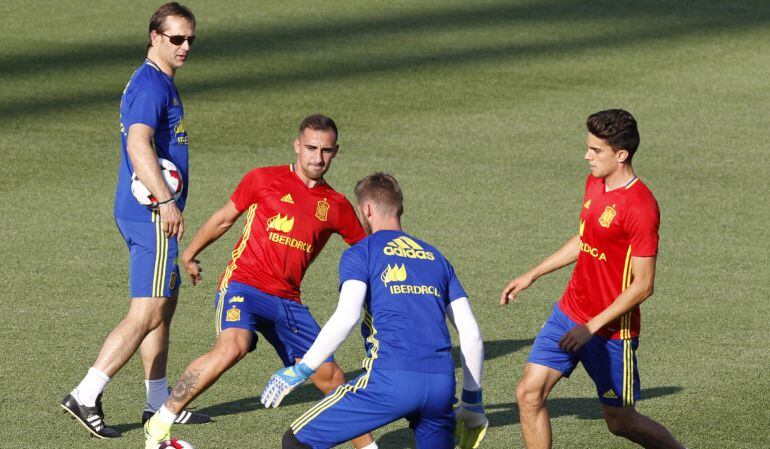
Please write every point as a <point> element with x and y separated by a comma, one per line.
<point>152,126</point>
<point>407,289</point>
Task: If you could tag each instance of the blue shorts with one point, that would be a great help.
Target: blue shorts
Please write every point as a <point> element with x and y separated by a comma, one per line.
<point>153,271</point>
<point>288,327</point>
<point>377,398</point>
<point>610,363</point>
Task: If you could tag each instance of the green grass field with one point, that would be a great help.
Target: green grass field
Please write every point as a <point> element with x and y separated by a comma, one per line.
<point>478,109</point>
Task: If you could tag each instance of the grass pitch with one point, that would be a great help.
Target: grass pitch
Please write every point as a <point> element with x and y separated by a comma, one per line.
<point>478,109</point>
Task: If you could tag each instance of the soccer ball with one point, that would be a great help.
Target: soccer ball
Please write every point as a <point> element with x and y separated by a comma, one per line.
<point>175,444</point>
<point>171,176</point>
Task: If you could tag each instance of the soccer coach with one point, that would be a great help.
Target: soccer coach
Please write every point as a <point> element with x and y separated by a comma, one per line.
<point>151,127</point>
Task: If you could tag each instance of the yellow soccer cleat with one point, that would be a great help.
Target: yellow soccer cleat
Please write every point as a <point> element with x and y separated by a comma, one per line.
<point>155,431</point>
<point>470,438</point>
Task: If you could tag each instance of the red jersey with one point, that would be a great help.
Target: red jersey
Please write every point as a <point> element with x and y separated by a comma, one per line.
<point>614,226</point>
<point>287,225</point>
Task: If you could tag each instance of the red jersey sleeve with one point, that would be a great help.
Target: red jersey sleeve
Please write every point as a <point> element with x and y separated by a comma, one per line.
<point>349,227</point>
<point>246,193</point>
<point>642,223</point>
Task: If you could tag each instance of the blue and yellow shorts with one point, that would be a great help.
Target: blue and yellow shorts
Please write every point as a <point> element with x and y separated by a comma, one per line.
<point>288,326</point>
<point>377,398</point>
<point>610,363</point>
<point>153,271</point>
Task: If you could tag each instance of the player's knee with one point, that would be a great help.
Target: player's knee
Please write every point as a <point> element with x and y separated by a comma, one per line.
<point>619,425</point>
<point>290,441</point>
<point>230,352</point>
<point>529,397</point>
<point>329,377</point>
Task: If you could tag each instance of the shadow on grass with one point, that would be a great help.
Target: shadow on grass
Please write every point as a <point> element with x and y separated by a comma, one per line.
<point>505,414</point>
<point>652,21</point>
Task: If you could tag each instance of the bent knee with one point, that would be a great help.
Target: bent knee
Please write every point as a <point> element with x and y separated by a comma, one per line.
<point>290,441</point>
<point>529,396</point>
<point>231,351</point>
<point>329,377</point>
<point>619,425</point>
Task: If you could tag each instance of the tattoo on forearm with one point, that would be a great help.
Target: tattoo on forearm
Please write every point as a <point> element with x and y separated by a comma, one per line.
<point>184,388</point>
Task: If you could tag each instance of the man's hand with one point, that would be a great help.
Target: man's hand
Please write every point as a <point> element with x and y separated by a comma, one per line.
<point>514,287</point>
<point>193,269</point>
<point>283,382</point>
<point>573,340</point>
<point>171,220</point>
<point>472,422</point>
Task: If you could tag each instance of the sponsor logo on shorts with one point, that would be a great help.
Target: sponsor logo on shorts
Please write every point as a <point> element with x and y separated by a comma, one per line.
<point>609,394</point>
<point>405,247</point>
<point>172,284</point>
<point>322,210</point>
<point>607,216</point>
<point>280,223</point>
<point>235,299</point>
<point>233,314</point>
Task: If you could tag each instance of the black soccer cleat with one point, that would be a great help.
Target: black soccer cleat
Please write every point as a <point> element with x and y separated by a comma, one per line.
<point>185,417</point>
<point>92,418</point>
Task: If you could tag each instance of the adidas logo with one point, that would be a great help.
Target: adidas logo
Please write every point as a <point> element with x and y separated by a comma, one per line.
<point>287,199</point>
<point>290,372</point>
<point>405,247</point>
<point>393,274</point>
<point>280,223</point>
<point>610,394</point>
<point>587,204</point>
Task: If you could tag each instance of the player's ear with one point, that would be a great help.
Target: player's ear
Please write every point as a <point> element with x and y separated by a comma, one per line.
<point>621,156</point>
<point>336,149</point>
<point>297,146</point>
<point>155,38</point>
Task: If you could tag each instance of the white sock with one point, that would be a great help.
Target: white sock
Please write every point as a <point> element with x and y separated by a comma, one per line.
<point>157,393</point>
<point>166,415</point>
<point>90,387</point>
<point>371,446</point>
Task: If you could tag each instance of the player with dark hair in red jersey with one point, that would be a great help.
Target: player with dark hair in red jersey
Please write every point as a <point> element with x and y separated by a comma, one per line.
<point>290,214</point>
<point>597,320</point>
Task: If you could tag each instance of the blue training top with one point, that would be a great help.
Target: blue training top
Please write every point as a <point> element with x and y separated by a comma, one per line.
<point>410,283</point>
<point>151,98</point>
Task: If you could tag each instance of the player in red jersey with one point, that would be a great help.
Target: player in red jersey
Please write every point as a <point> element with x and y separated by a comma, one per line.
<point>596,322</point>
<point>290,214</point>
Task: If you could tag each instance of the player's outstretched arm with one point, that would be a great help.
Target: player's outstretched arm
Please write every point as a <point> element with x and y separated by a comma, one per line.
<point>564,256</point>
<point>144,159</point>
<point>472,421</point>
<point>214,227</point>
<point>334,332</point>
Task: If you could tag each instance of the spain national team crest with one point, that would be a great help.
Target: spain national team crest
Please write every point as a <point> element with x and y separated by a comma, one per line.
<point>322,210</point>
<point>607,216</point>
<point>233,314</point>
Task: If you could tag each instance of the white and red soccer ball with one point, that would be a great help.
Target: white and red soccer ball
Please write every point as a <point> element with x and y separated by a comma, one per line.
<point>172,178</point>
<point>175,444</point>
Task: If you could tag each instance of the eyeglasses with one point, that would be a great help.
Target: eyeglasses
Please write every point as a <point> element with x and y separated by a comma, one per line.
<point>179,40</point>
